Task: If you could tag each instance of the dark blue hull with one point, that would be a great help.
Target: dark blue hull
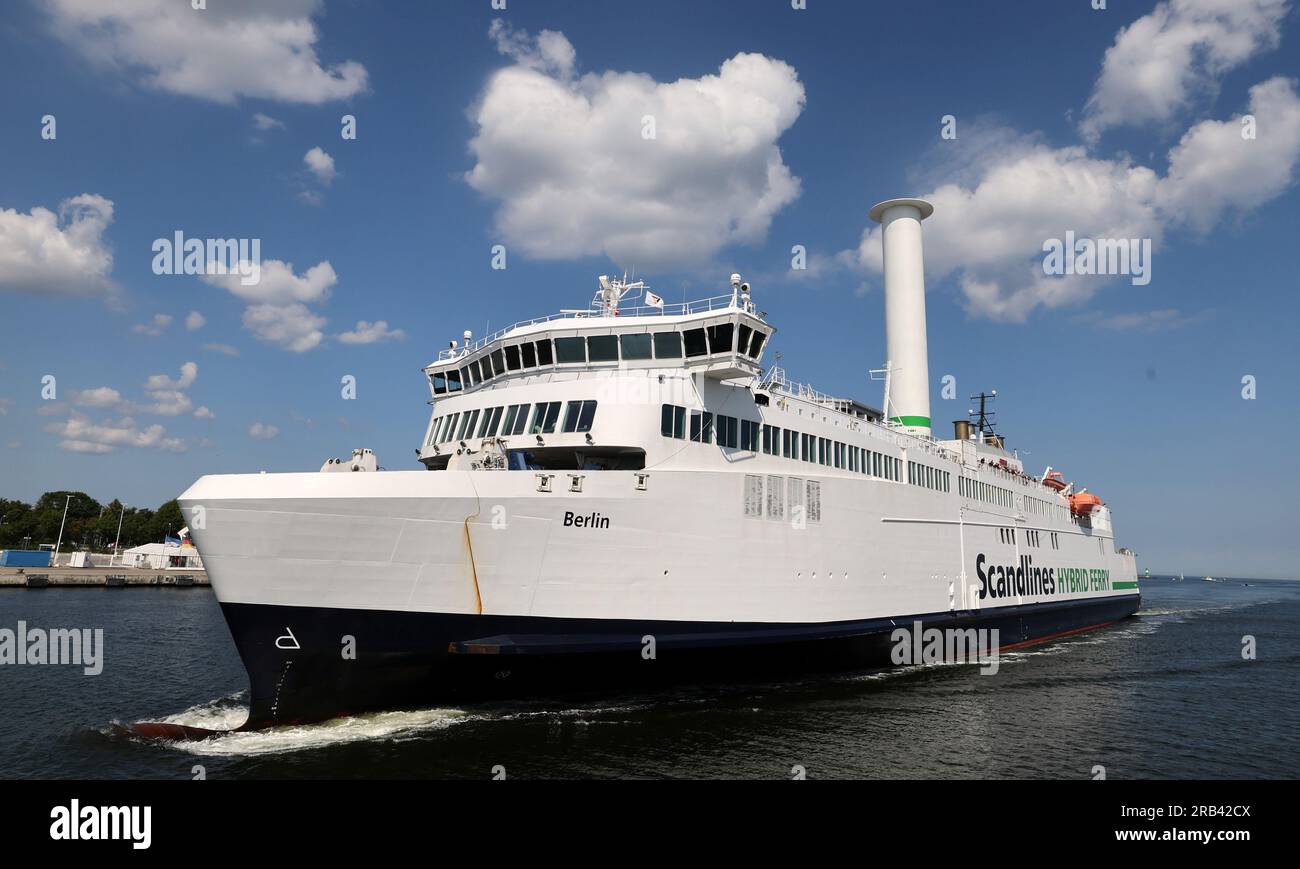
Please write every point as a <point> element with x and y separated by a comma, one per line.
<point>311,663</point>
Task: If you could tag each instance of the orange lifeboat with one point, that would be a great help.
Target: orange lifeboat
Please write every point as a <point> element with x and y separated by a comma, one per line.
<point>1084,503</point>
<point>1054,480</point>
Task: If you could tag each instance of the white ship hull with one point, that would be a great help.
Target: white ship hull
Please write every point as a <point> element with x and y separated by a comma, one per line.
<point>425,570</point>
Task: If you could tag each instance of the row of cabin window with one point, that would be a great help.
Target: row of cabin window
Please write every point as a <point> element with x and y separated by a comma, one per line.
<point>924,475</point>
<point>705,341</point>
<point>731,432</point>
<point>824,451</point>
<point>1032,538</point>
<point>510,420</point>
<point>981,491</point>
<point>805,498</point>
<point>777,442</point>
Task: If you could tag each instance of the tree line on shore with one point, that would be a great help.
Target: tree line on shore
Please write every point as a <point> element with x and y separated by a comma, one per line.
<point>90,525</point>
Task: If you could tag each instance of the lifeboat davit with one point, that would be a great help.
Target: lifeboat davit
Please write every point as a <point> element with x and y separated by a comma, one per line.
<point>1084,503</point>
<point>1054,480</point>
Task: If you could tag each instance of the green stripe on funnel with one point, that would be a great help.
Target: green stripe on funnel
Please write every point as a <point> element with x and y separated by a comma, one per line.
<point>923,421</point>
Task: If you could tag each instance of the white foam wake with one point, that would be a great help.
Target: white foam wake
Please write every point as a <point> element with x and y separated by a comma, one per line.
<point>223,714</point>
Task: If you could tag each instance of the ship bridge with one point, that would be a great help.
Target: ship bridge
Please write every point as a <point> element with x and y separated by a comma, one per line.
<point>722,337</point>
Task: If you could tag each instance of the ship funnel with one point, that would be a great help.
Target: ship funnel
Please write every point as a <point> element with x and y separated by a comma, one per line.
<point>905,335</point>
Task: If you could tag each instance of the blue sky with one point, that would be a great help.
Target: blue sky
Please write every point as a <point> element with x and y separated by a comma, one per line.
<point>1062,124</point>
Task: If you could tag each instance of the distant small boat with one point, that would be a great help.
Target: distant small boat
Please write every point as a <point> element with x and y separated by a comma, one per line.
<point>1210,579</point>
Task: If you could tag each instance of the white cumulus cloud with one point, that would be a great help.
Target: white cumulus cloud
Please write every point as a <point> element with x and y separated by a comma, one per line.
<point>260,431</point>
<point>195,321</point>
<point>320,164</point>
<point>1163,60</point>
<point>63,254</point>
<point>222,52</point>
<point>154,327</point>
<point>371,333</point>
<point>79,434</point>
<point>565,156</point>
<point>277,284</point>
<point>291,327</point>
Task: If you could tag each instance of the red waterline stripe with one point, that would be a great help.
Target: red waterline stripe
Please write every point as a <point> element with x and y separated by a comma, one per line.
<point>1050,637</point>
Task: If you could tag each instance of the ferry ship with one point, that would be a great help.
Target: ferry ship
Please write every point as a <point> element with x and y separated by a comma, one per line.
<point>626,493</point>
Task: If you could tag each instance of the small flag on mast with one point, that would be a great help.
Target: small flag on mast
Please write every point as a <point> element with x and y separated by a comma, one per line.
<point>654,301</point>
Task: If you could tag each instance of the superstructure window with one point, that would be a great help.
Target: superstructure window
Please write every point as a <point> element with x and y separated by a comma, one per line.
<point>696,344</point>
<point>754,496</point>
<point>578,416</point>
<point>569,350</point>
<point>720,338</point>
<point>516,418</point>
<point>529,354</point>
<point>512,358</point>
<point>544,356</point>
<point>728,429</point>
<point>702,426</point>
<point>491,420</point>
<point>466,424</point>
<point>668,345</point>
<point>544,417</point>
<point>635,346</point>
<point>673,421</point>
<point>749,435</point>
<point>602,348</point>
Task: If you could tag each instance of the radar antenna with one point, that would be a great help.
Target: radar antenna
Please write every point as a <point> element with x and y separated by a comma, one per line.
<point>984,417</point>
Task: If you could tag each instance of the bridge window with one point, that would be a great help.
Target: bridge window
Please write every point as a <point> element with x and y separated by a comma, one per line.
<point>673,421</point>
<point>636,346</point>
<point>498,364</point>
<point>544,352</point>
<point>579,415</point>
<point>696,344</point>
<point>544,417</point>
<point>569,350</point>
<point>472,373</point>
<point>602,348</point>
<point>529,353</point>
<point>743,336</point>
<point>512,357</point>
<point>439,382</point>
<point>756,346</point>
<point>485,365</point>
<point>720,338</point>
<point>453,380</point>
<point>668,345</point>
